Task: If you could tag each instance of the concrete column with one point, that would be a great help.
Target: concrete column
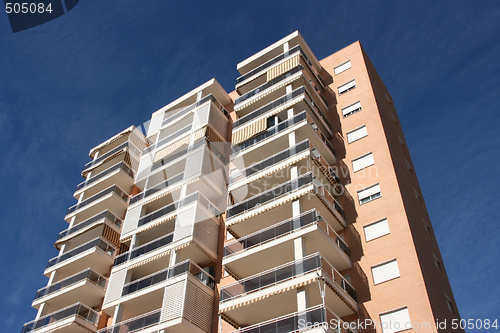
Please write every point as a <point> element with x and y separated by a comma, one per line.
<point>117,316</point>
<point>41,311</point>
<point>198,95</point>
<point>286,47</point>
<point>173,258</point>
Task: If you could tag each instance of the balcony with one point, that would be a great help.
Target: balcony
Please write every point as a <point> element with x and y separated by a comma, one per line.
<point>318,318</point>
<point>274,245</point>
<point>120,174</point>
<point>86,286</point>
<point>144,249</point>
<point>135,324</point>
<point>159,187</point>
<point>77,318</point>
<point>247,301</point>
<point>112,198</point>
<point>96,254</point>
<point>105,217</point>
<point>252,150</point>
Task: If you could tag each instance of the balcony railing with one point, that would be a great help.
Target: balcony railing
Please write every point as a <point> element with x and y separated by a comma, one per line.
<point>314,317</point>
<point>193,106</point>
<point>270,132</point>
<point>177,135</point>
<point>269,195</point>
<point>273,61</point>
<point>134,324</point>
<point>76,310</point>
<point>87,274</point>
<point>103,215</point>
<point>186,266</point>
<point>104,156</point>
<point>144,248</point>
<point>270,161</point>
<point>313,262</point>
<point>281,229</point>
<point>112,189</point>
<point>268,107</point>
<point>169,182</point>
<point>266,85</point>
<point>95,243</point>
<point>120,165</point>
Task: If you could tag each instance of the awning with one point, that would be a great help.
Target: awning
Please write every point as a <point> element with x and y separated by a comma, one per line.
<point>249,131</point>
<point>171,148</point>
<point>283,67</point>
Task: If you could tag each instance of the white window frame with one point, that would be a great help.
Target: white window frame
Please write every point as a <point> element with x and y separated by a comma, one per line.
<point>387,320</point>
<point>389,265</point>
<point>386,229</point>
<point>372,196</point>
<point>359,133</point>
<point>366,161</point>
<point>351,109</point>
<point>350,86</point>
<point>342,67</point>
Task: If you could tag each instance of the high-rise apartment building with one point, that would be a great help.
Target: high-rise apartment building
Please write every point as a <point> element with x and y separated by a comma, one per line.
<point>287,205</point>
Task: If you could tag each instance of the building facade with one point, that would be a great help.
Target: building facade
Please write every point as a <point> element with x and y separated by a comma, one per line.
<point>289,204</point>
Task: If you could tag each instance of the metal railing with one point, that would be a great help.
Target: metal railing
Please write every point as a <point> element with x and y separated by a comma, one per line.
<point>186,266</point>
<point>313,317</point>
<point>102,215</point>
<point>266,85</point>
<point>273,61</point>
<point>134,324</point>
<point>95,243</point>
<point>268,107</point>
<point>106,155</point>
<point>283,273</point>
<point>144,248</point>
<point>112,189</point>
<point>270,132</point>
<point>152,190</point>
<point>87,274</point>
<point>281,229</point>
<point>119,165</point>
<point>75,310</point>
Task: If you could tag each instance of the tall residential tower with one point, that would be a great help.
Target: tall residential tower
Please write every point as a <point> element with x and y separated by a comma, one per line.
<point>287,205</point>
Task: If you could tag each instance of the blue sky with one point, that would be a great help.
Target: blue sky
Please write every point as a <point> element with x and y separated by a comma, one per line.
<point>69,84</point>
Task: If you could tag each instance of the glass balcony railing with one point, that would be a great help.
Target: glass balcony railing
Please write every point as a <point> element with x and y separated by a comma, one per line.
<point>120,165</point>
<point>95,243</point>
<point>283,273</point>
<point>184,267</point>
<point>266,85</point>
<point>87,274</point>
<point>134,324</point>
<point>268,107</point>
<point>102,215</point>
<point>270,161</point>
<point>314,317</point>
<point>281,229</point>
<point>150,191</point>
<point>106,155</point>
<point>193,106</point>
<point>76,310</point>
<point>270,132</point>
<point>144,248</point>
<point>112,189</point>
<point>273,61</point>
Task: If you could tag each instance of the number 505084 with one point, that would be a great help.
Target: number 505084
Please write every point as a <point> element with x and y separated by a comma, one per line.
<point>26,7</point>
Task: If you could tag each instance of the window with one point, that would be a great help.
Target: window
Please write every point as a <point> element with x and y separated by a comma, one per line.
<point>385,272</point>
<point>427,228</point>
<point>342,67</point>
<point>376,229</point>
<point>347,86</point>
<point>449,302</point>
<point>357,134</point>
<point>395,321</point>
<point>437,262</point>
<point>351,109</point>
<point>362,162</point>
<point>368,194</point>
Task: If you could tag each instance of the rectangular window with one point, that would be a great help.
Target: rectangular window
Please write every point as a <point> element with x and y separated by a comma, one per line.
<point>395,321</point>
<point>357,134</point>
<point>342,67</point>
<point>385,272</point>
<point>351,109</point>
<point>376,229</point>
<point>362,162</point>
<point>369,194</point>
<point>347,86</point>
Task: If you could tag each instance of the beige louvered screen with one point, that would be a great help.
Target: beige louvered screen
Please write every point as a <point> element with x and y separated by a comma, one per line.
<point>283,67</point>
<point>171,148</point>
<point>215,139</point>
<point>200,133</point>
<point>249,131</point>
